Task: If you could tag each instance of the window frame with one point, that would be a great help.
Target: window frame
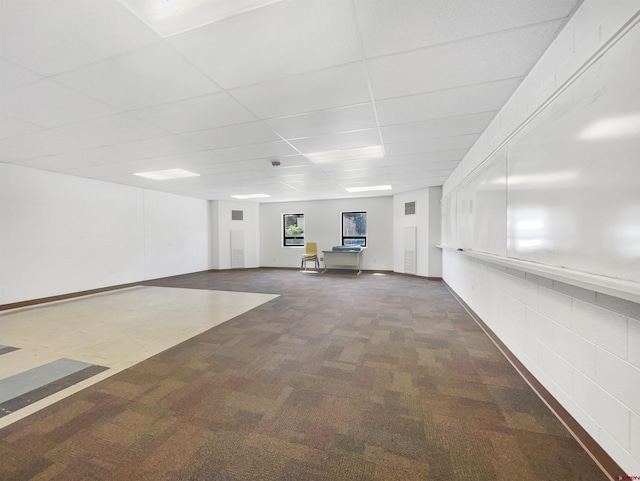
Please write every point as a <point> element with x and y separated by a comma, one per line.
<point>286,237</point>
<point>354,237</point>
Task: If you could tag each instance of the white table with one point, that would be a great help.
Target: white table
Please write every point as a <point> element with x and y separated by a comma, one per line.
<point>342,258</point>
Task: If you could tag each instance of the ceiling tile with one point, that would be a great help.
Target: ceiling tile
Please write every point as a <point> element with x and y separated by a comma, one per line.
<point>124,179</point>
<point>89,157</point>
<point>113,129</point>
<point>52,37</point>
<point>228,177</point>
<point>381,173</point>
<point>433,129</point>
<point>432,145</point>
<point>232,136</point>
<point>470,99</point>
<point>13,127</point>
<point>427,157</point>
<point>330,121</point>
<point>295,172</point>
<point>288,163</point>
<point>347,140</point>
<point>218,168</point>
<point>318,180</point>
<point>257,151</point>
<point>276,41</point>
<point>10,154</point>
<point>94,92</point>
<point>160,146</point>
<point>368,181</point>
<point>425,167</point>
<point>50,104</point>
<point>140,79</point>
<point>412,176</point>
<point>13,76</point>
<point>325,89</point>
<point>54,163</point>
<point>196,113</point>
<point>146,165</point>
<point>388,29</point>
<point>49,142</point>
<point>107,171</point>
<point>354,165</point>
<point>488,58</point>
<point>199,162</point>
<point>168,18</point>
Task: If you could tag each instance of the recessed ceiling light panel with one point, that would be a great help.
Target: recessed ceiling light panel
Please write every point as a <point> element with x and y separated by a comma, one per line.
<point>167,174</point>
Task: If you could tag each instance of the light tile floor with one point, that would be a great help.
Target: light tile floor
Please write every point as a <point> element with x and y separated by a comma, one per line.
<point>116,329</point>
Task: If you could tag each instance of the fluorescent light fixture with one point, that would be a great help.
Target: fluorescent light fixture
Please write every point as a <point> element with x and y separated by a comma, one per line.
<point>171,17</point>
<point>250,196</point>
<point>623,126</point>
<point>368,189</point>
<point>167,174</point>
<point>360,153</point>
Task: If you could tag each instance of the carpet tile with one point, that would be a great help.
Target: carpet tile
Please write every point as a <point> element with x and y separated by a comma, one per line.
<point>340,378</point>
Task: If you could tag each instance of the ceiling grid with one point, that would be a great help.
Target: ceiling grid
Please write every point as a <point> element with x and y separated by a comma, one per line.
<point>93,89</point>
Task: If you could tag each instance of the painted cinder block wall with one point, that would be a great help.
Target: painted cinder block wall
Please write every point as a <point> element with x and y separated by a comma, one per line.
<point>582,345</point>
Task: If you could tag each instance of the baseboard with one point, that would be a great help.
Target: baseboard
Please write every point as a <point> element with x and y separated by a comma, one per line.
<point>63,297</point>
<point>606,463</point>
<point>71,295</point>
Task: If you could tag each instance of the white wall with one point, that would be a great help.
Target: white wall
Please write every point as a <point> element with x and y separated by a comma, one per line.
<point>61,234</point>
<point>581,344</point>
<point>221,227</point>
<point>323,224</point>
<point>176,237</point>
<point>427,223</point>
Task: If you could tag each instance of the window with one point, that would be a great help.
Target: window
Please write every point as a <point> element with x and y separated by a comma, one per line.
<point>293,230</point>
<point>354,229</point>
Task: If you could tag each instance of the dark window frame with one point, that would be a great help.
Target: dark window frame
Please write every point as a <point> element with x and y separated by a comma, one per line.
<point>290,239</point>
<point>350,238</point>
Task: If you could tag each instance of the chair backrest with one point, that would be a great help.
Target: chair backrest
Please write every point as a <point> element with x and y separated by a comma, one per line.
<point>311,248</point>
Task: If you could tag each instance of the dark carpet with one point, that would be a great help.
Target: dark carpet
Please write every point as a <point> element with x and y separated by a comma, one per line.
<point>375,377</point>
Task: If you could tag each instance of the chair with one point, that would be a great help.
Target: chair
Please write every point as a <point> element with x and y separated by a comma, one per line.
<point>310,254</point>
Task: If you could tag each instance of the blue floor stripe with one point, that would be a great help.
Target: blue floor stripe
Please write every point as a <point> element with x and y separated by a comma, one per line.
<point>24,382</point>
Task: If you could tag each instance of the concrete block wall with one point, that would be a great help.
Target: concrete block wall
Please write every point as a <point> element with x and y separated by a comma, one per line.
<point>580,344</point>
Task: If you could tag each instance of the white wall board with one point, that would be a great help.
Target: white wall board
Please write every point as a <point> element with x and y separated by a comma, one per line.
<point>574,173</point>
<point>564,190</point>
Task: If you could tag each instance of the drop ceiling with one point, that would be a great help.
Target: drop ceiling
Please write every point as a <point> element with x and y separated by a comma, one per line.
<point>95,89</point>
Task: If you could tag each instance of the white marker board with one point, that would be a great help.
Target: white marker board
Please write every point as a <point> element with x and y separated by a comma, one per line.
<point>574,173</point>
<point>570,194</point>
